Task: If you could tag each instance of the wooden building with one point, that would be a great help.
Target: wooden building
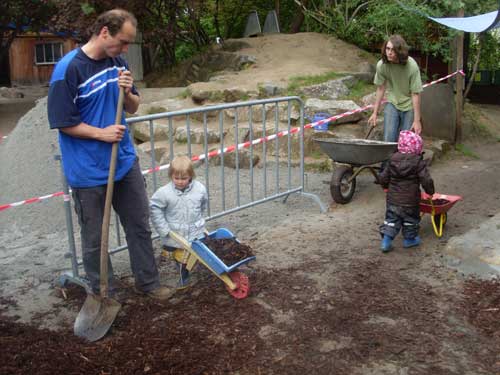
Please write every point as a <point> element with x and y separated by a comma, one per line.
<point>32,57</point>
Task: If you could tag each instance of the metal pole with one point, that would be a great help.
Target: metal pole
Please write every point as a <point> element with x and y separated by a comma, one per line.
<point>459,84</point>
<point>153,156</point>
<point>69,220</point>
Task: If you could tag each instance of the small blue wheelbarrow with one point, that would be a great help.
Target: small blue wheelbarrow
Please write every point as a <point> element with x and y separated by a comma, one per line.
<point>237,283</point>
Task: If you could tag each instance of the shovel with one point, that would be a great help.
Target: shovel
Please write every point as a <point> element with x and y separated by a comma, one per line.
<point>99,311</point>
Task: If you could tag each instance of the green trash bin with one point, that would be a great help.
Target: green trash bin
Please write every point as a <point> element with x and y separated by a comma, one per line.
<point>483,77</point>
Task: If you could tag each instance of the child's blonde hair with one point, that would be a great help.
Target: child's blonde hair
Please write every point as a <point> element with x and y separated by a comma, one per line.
<point>181,165</point>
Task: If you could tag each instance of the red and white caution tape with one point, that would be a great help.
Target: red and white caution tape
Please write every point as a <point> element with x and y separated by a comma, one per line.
<point>232,148</point>
<point>31,200</point>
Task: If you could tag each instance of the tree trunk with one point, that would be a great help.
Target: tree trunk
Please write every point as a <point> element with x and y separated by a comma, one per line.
<point>476,64</point>
<point>216,19</point>
<point>299,18</point>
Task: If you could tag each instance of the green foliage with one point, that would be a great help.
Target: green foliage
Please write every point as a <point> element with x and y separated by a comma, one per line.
<point>473,123</point>
<point>17,15</point>
<point>466,151</point>
<point>368,23</point>
<point>184,94</point>
<point>184,51</point>
<point>323,166</point>
<point>156,109</point>
<point>359,90</point>
<point>490,51</point>
<point>87,9</point>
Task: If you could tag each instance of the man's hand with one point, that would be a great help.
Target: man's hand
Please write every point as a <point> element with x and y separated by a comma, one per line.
<point>417,126</point>
<point>130,101</point>
<point>125,80</point>
<point>373,119</point>
<point>112,133</point>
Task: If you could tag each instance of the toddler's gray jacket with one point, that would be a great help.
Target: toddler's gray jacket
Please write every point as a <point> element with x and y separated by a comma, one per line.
<point>180,211</point>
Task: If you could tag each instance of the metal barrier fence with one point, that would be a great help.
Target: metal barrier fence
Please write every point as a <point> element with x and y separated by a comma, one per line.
<point>268,164</point>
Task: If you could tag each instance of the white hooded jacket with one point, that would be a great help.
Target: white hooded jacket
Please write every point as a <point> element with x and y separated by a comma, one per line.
<point>179,211</point>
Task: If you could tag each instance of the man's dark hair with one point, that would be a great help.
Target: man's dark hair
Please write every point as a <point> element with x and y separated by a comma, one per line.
<point>113,20</point>
<point>400,47</point>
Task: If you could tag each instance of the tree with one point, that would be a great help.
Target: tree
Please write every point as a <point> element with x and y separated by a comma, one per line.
<point>17,16</point>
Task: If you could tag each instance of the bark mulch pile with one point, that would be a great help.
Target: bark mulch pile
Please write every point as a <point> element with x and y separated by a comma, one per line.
<point>287,325</point>
<point>482,304</point>
<point>228,250</point>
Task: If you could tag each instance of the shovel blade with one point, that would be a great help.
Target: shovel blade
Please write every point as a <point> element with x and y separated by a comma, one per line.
<point>96,317</point>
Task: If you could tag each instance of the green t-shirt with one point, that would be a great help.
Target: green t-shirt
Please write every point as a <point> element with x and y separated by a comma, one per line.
<point>400,81</point>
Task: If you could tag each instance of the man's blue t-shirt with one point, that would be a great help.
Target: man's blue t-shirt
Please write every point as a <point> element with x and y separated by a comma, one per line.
<point>86,90</point>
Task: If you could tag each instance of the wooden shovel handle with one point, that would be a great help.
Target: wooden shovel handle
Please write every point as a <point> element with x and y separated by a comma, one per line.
<point>104,285</point>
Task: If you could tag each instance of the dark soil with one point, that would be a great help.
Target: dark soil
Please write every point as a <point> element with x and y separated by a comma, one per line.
<point>436,202</point>
<point>229,251</point>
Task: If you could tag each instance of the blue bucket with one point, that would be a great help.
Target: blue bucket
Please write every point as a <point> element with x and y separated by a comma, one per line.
<point>321,116</point>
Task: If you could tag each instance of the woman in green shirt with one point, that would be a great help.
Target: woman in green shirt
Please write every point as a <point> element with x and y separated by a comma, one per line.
<point>399,75</point>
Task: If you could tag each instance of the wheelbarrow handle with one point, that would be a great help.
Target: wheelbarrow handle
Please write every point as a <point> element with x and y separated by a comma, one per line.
<point>370,131</point>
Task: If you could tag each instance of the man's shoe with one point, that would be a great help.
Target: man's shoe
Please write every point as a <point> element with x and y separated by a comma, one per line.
<point>386,244</point>
<point>411,242</point>
<point>161,293</point>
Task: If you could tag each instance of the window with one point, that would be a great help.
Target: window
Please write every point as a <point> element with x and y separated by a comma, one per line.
<point>48,53</point>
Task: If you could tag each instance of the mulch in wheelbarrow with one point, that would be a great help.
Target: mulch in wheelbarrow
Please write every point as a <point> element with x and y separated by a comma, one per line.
<point>436,202</point>
<point>228,250</point>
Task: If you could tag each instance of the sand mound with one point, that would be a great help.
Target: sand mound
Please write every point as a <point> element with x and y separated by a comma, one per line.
<point>28,169</point>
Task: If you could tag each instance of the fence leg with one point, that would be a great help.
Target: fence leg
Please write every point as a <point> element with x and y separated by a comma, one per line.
<point>67,276</point>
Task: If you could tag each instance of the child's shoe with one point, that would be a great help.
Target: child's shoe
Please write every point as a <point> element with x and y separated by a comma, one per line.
<point>386,244</point>
<point>184,279</point>
<point>164,255</point>
<point>411,242</point>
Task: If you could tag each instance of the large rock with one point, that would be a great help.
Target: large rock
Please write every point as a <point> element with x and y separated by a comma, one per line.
<point>161,105</point>
<point>161,149</point>
<point>333,107</point>
<point>258,113</point>
<point>332,89</point>
<point>141,131</point>
<point>280,145</point>
<point>10,93</point>
<point>197,135</point>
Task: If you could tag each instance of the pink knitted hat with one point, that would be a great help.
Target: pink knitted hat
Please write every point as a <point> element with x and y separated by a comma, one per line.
<point>409,143</point>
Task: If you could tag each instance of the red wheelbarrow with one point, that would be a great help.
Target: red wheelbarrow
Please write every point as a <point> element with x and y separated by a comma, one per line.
<point>437,205</point>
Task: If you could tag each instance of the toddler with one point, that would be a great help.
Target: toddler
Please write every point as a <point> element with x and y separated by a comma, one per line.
<point>402,176</point>
<point>179,206</point>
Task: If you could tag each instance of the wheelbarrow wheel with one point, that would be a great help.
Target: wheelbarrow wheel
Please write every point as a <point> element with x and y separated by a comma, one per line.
<point>340,188</point>
<point>242,285</point>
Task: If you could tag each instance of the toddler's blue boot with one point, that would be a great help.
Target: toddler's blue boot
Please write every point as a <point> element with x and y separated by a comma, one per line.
<point>411,242</point>
<point>386,244</point>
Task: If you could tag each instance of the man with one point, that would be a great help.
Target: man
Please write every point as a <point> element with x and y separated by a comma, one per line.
<point>82,101</point>
<point>400,75</point>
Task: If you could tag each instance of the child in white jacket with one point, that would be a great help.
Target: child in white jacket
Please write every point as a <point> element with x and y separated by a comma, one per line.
<point>179,206</point>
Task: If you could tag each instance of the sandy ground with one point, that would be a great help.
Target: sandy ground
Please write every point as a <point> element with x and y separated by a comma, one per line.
<point>280,57</point>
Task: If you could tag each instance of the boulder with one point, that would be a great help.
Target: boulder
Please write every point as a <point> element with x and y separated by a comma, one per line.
<point>258,113</point>
<point>233,95</point>
<point>333,107</point>
<point>161,150</point>
<point>10,93</point>
<point>141,131</point>
<point>197,135</point>
<point>332,89</point>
